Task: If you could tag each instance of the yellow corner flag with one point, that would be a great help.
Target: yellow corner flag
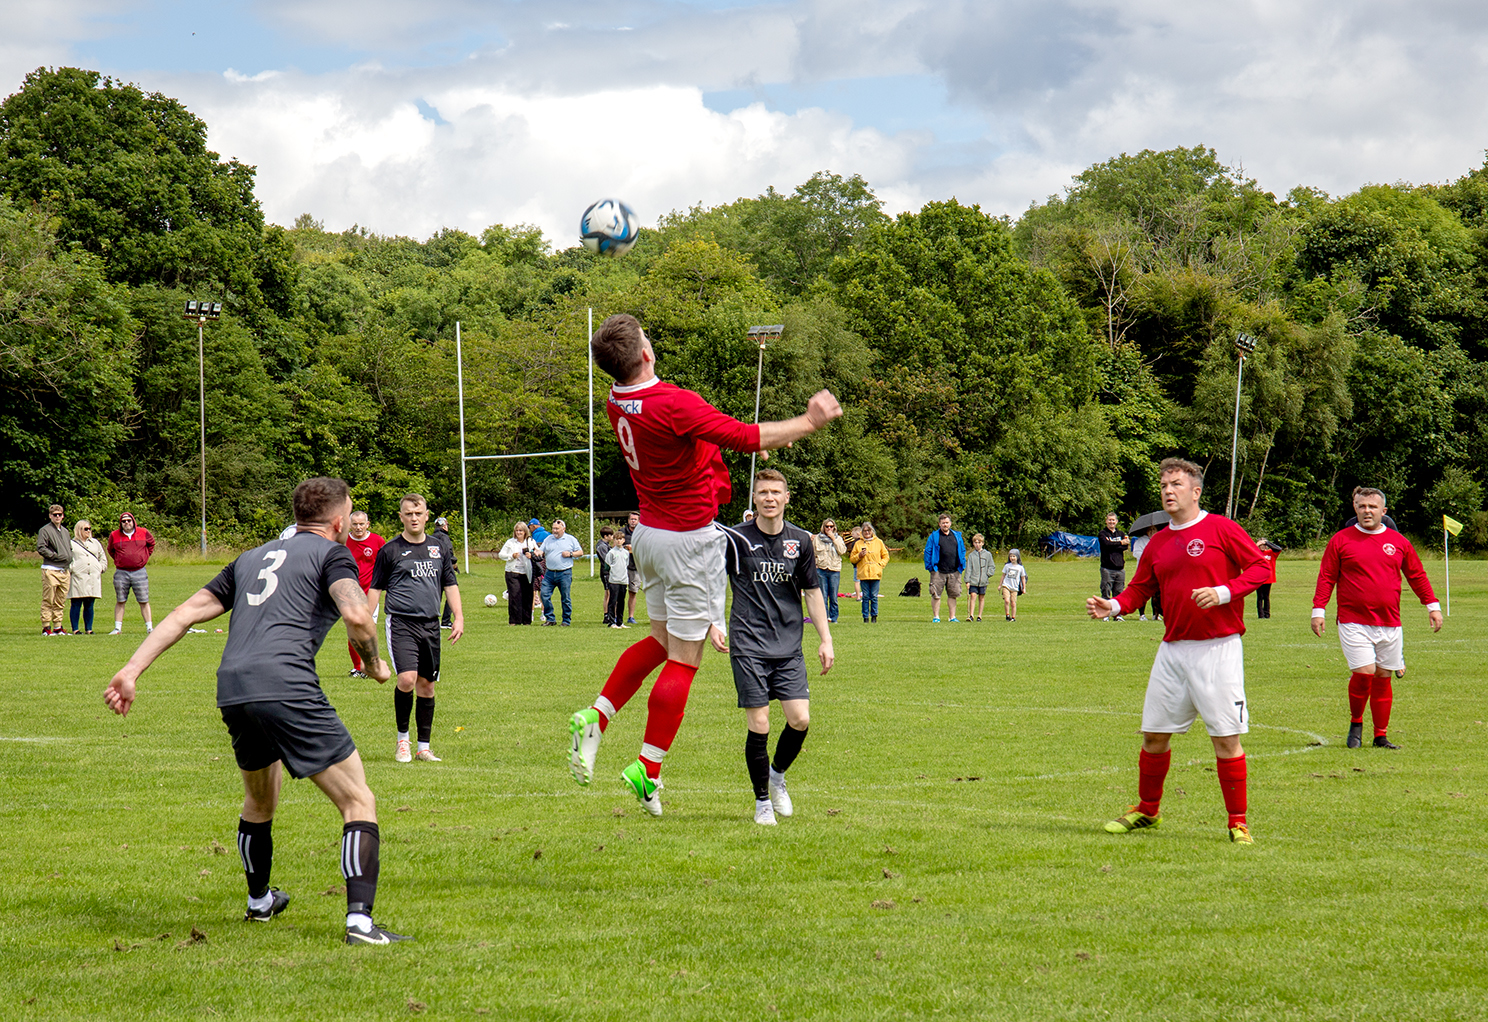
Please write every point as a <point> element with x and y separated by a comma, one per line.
<point>1452,525</point>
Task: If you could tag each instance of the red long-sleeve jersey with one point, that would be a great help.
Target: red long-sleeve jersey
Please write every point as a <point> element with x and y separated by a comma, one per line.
<point>1366,568</point>
<point>670,439</point>
<point>1209,551</point>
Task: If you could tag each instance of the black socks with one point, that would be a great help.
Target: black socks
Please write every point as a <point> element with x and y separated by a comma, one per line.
<point>423,713</point>
<point>402,709</point>
<point>359,842</point>
<point>256,847</point>
<point>757,757</point>
<point>788,748</point>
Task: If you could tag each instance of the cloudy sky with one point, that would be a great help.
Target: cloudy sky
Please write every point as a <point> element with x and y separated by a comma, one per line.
<point>406,117</point>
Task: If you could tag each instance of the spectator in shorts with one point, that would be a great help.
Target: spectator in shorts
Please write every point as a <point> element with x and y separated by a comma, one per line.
<point>1113,543</point>
<point>829,548</point>
<point>870,556</point>
<point>55,547</point>
<point>1014,584</point>
<point>520,555</point>
<point>85,584</point>
<point>618,558</point>
<point>130,547</point>
<point>632,520</point>
<point>980,564</point>
<point>945,560</point>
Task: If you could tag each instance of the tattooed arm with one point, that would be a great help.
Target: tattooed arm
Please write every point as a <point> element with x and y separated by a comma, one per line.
<point>352,603</point>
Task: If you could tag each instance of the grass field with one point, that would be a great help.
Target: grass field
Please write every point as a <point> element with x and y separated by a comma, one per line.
<point>945,860</point>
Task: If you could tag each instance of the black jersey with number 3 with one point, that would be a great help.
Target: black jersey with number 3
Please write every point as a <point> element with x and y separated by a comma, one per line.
<point>768,575</point>
<point>280,598</point>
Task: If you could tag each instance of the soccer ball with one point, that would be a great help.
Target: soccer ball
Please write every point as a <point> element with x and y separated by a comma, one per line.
<point>609,227</point>
<point>491,600</point>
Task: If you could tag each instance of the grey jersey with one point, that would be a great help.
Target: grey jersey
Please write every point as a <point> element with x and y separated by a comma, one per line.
<point>280,598</point>
<point>768,575</point>
<point>412,576</point>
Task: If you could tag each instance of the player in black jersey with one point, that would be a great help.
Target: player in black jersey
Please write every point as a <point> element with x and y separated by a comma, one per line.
<point>284,597</point>
<point>771,565</point>
<point>414,569</point>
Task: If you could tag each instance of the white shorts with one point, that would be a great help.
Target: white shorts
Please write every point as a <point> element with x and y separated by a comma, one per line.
<point>1380,645</point>
<point>683,577</point>
<point>1198,677</point>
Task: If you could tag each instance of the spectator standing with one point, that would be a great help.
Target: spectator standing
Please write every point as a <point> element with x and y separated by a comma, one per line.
<point>363,544</point>
<point>855,539</point>
<point>634,584</point>
<point>55,547</point>
<point>829,548</point>
<point>606,535</point>
<point>945,560</point>
<point>618,559</point>
<point>85,582</point>
<point>1113,543</point>
<point>441,535</point>
<point>559,551</point>
<point>1263,591</point>
<point>538,567</point>
<point>130,547</point>
<point>1014,584</point>
<point>869,557</point>
<point>1139,544</point>
<point>980,565</point>
<point>520,554</point>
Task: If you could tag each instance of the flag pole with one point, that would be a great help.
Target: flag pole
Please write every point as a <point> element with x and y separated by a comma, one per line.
<point>1447,564</point>
<point>589,349</point>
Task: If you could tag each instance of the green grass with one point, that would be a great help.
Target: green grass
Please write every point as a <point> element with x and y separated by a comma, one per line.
<point>945,860</point>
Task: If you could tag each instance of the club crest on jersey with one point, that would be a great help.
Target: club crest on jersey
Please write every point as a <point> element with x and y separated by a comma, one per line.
<point>792,548</point>
<point>366,551</point>
<point>1389,549</point>
<point>434,551</point>
<point>1195,547</point>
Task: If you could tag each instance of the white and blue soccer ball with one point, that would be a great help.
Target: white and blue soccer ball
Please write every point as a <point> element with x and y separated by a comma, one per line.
<point>609,227</point>
<point>491,600</point>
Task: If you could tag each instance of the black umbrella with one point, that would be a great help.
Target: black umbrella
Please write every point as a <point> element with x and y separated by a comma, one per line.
<point>1149,520</point>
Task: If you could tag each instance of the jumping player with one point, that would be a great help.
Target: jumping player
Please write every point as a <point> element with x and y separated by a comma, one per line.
<point>363,544</point>
<point>771,565</point>
<point>1204,565</point>
<point>1365,561</point>
<point>415,569</point>
<point>285,596</point>
<point>670,438</point>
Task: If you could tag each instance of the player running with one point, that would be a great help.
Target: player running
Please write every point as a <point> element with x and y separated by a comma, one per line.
<point>1365,561</point>
<point>670,438</point>
<point>771,565</point>
<point>363,544</point>
<point>414,569</point>
<point>1203,565</point>
<point>285,596</point>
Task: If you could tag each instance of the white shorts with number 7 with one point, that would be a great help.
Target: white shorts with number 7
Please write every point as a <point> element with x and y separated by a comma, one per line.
<point>1199,677</point>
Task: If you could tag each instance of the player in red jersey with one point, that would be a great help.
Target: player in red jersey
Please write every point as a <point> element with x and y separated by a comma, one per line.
<point>1202,565</point>
<point>363,544</point>
<point>1365,561</point>
<point>670,438</point>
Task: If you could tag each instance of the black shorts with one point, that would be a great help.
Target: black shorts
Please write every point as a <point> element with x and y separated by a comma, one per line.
<point>759,679</point>
<point>306,735</point>
<point>413,645</point>
<point>977,590</point>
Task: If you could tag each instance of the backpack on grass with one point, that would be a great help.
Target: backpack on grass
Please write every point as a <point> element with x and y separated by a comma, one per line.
<point>911,588</point>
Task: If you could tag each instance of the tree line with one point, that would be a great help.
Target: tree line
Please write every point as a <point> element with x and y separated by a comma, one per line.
<point>1026,375</point>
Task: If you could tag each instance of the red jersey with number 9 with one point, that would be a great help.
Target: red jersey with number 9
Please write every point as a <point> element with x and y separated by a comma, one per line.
<point>670,438</point>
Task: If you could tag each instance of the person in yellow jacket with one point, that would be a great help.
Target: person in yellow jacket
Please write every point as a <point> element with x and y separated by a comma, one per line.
<point>870,556</point>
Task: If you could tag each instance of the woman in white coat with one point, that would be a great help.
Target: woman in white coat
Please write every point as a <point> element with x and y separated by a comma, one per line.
<point>518,552</point>
<point>88,562</point>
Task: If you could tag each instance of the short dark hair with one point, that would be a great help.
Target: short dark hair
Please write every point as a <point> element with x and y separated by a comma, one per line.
<point>1368,491</point>
<point>314,499</point>
<point>412,498</point>
<point>943,514</point>
<point>772,474</point>
<point>607,530</point>
<point>1183,465</point>
<point>617,346</point>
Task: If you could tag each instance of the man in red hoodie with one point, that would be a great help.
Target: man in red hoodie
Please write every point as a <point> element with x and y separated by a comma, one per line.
<point>1203,565</point>
<point>130,547</point>
<point>1365,561</point>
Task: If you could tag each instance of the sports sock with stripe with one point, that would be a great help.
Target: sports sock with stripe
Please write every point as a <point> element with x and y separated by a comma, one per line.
<point>757,758</point>
<point>1232,784</point>
<point>788,747</point>
<point>1359,685</point>
<point>1152,770</point>
<point>423,714</point>
<point>402,708</point>
<point>664,710</point>
<point>1381,698</point>
<point>256,848</point>
<point>631,670</point>
<point>359,841</point>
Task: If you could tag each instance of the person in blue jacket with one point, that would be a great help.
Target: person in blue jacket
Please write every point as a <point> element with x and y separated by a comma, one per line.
<point>945,560</point>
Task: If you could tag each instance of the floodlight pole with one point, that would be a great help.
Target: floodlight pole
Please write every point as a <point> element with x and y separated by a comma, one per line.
<point>201,401</point>
<point>760,334</point>
<point>464,489</point>
<point>1246,344</point>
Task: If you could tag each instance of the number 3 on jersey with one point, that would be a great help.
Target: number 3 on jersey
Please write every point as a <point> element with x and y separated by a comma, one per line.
<point>271,580</point>
<point>627,443</point>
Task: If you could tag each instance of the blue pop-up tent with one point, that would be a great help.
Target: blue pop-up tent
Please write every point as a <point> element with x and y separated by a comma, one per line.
<point>1069,542</point>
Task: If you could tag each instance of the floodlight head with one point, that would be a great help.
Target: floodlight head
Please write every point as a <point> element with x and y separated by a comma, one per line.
<point>1246,343</point>
<point>761,334</point>
<point>191,310</point>
<point>216,310</point>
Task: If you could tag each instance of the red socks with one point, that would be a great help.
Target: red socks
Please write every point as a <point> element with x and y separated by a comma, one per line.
<point>1381,697</point>
<point>664,712</point>
<point>1359,686</point>
<point>356,661</point>
<point>631,670</point>
<point>1151,772</point>
<point>1232,784</point>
